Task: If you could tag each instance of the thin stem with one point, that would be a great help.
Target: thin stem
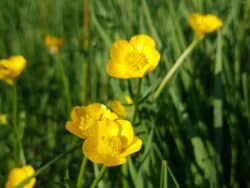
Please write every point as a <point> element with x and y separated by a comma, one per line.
<point>17,131</point>
<point>80,179</point>
<point>174,68</point>
<point>47,165</point>
<point>164,175</point>
<point>218,107</point>
<point>173,177</point>
<point>85,66</point>
<point>131,93</point>
<point>137,99</point>
<point>65,84</point>
<point>98,177</point>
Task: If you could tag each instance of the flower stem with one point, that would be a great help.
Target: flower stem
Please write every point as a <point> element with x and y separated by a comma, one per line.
<point>174,68</point>
<point>17,131</point>
<point>65,83</point>
<point>98,177</point>
<point>137,99</point>
<point>80,179</point>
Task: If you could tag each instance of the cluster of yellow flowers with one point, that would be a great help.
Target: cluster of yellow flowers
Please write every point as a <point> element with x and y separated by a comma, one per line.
<point>108,139</point>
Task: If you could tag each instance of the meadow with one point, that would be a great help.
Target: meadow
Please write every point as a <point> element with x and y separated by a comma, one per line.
<point>196,133</point>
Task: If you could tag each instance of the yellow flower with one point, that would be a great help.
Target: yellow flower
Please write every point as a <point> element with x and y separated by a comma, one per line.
<point>3,119</point>
<point>118,108</point>
<point>17,175</point>
<point>84,118</point>
<point>53,43</point>
<point>11,68</point>
<point>133,59</point>
<point>203,24</point>
<point>111,143</point>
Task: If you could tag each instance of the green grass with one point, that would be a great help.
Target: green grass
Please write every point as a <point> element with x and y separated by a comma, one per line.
<point>195,135</point>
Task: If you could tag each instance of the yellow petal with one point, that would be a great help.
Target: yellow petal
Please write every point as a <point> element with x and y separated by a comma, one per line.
<point>132,148</point>
<point>4,70</point>
<point>203,24</point>
<point>97,152</point>
<point>119,49</point>
<point>17,175</point>
<point>126,132</point>
<point>117,70</point>
<point>74,129</point>
<point>11,68</point>
<point>128,99</point>
<point>139,41</point>
<point>152,56</point>
<point>77,112</point>
<point>118,108</point>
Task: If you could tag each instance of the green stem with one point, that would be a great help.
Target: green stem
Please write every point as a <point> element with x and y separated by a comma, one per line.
<point>17,131</point>
<point>80,179</point>
<point>47,165</point>
<point>98,177</point>
<point>174,68</point>
<point>173,178</point>
<point>65,84</point>
<point>218,109</point>
<point>164,175</point>
<point>137,99</point>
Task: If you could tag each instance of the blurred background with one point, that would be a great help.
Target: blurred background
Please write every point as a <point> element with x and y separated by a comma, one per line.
<point>195,135</point>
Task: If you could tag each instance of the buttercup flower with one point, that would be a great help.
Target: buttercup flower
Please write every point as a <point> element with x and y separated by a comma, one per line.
<point>11,68</point>
<point>111,143</point>
<point>17,175</point>
<point>133,59</point>
<point>203,24</point>
<point>118,108</point>
<point>83,119</point>
<point>53,43</point>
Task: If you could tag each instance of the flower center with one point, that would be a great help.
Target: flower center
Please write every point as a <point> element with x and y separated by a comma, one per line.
<point>114,144</point>
<point>136,60</point>
<point>85,125</point>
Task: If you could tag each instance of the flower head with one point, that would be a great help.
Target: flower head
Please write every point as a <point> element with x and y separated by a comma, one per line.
<point>11,68</point>
<point>119,109</point>
<point>134,58</point>
<point>203,24</point>
<point>84,119</point>
<point>111,143</point>
<point>17,175</point>
<point>53,43</point>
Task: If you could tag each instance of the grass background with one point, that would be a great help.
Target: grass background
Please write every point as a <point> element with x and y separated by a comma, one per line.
<point>195,135</point>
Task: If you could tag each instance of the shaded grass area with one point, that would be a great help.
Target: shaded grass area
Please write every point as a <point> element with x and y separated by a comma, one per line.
<point>200,123</point>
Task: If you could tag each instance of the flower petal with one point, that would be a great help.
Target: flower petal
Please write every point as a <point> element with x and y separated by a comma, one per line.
<point>74,129</point>
<point>139,41</point>
<point>134,147</point>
